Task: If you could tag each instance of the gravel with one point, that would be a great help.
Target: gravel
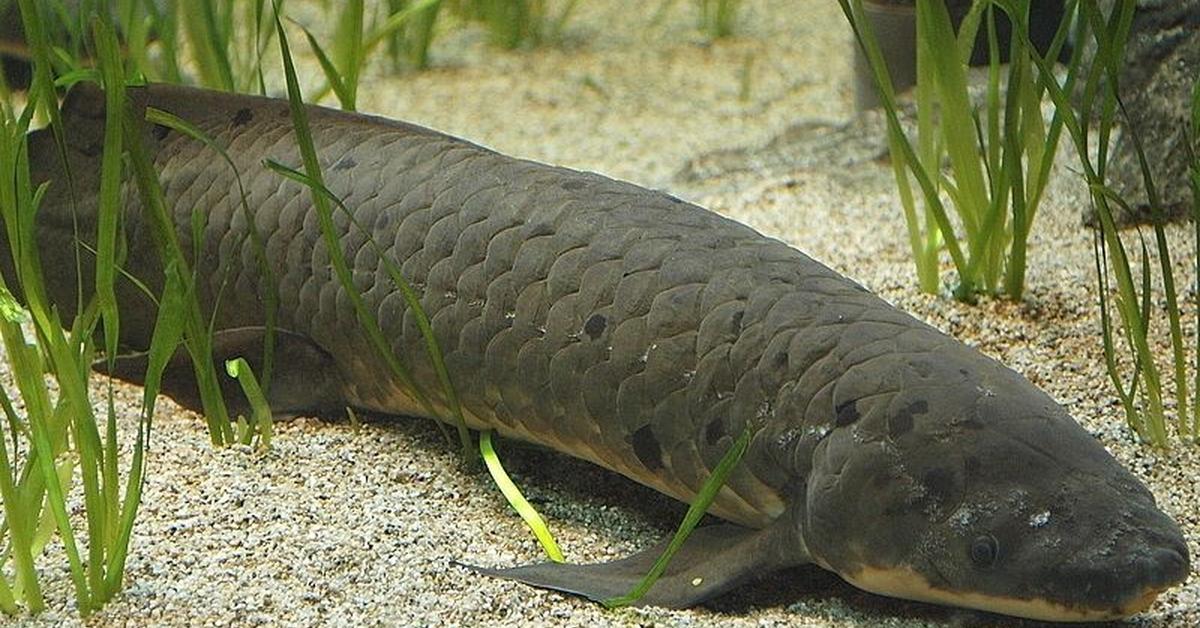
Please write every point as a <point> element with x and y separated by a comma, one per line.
<point>338,525</point>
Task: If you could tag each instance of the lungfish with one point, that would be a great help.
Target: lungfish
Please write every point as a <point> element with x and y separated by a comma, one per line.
<point>635,330</point>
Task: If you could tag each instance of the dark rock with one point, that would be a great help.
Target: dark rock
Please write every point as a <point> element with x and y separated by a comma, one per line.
<point>1162,63</point>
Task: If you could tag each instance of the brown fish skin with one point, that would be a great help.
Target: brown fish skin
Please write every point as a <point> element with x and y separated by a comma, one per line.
<point>630,328</point>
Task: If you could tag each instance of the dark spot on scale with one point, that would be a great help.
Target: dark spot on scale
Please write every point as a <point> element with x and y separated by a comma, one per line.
<point>922,367</point>
<point>780,360</point>
<point>971,424</point>
<point>160,132</point>
<point>595,326</point>
<point>902,422</point>
<point>939,482</point>
<point>846,414</point>
<point>345,163</point>
<point>714,431</point>
<point>572,184</point>
<point>736,323</point>
<point>646,448</point>
<point>242,116</point>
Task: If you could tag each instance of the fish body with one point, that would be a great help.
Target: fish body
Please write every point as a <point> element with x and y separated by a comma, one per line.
<point>630,328</point>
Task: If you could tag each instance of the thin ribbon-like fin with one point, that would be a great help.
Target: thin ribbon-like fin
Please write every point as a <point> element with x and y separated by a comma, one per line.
<point>713,560</point>
<point>304,377</point>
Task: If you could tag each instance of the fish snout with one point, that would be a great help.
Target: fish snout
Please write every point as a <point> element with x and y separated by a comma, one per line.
<point>1163,566</point>
<point>1133,581</point>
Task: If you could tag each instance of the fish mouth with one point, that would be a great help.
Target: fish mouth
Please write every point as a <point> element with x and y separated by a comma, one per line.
<point>905,583</point>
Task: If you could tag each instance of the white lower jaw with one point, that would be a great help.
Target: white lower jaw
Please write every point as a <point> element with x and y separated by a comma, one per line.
<point>908,584</point>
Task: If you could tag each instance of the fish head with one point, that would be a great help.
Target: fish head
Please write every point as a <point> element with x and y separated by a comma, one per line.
<point>972,488</point>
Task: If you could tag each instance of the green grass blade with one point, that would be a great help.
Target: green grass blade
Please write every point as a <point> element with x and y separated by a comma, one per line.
<point>271,298</point>
<point>340,89</point>
<point>209,43</point>
<point>348,50</point>
<point>312,172</point>
<point>867,42</point>
<point>395,22</point>
<point>109,209</point>
<point>1166,270</point>
<point>164,342</point>
<point>1194,181</point>
<point>412,300</point>
<point>956,114</point>
<point>515,499</point>
<point>56,496</point>
<point>197,335</point>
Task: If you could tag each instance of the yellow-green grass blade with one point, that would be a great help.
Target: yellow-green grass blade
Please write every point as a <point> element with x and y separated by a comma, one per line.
<point>260,419</point>
<point>49,424</point>
<point>22,499</point>
<point>169,329</point>
<point>27,367</point>
<point>1108,60</point>
<point>19,521</point>
<point>717,17</point>
<point>919,234</point>
<point>528,513</point>
<point>1135,319</point>
<point>708,492</point>
<point>379,35</point>
<point>415,39</point>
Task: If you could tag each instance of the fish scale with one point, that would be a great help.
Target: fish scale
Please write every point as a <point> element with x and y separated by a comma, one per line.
<point>632,329</point>
<point>466,238</point>
<point>509,276</point>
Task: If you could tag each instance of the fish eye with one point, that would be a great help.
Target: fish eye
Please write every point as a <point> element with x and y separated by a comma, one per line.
<point>985,550</point>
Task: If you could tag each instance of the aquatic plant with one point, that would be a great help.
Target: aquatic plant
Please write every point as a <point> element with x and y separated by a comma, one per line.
<point>52,434</point>
<point>516,23</point>
<point>410,43</point>
<point>1137,378</point>
<point>999,152</point>
<point>717,17</point>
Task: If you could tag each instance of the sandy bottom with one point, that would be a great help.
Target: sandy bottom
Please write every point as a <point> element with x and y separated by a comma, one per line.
<point>345,526</point>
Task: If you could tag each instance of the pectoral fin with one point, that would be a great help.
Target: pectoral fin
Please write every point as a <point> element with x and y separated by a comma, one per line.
<point>713,560</point>
<point>304,378</point>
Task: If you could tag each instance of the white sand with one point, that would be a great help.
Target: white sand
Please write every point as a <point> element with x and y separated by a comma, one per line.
<point>344,527</point>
